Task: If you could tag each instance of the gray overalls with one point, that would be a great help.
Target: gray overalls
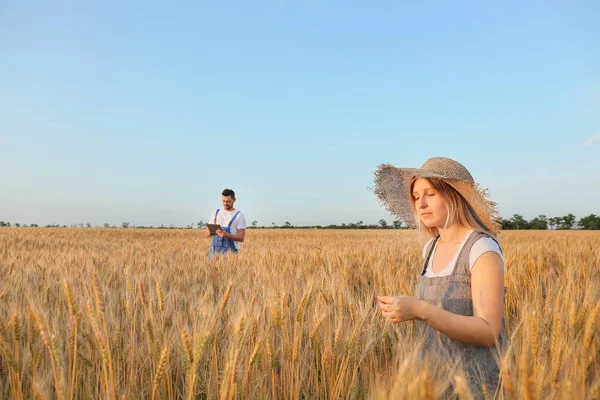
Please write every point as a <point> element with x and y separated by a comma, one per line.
<point>453,293</point>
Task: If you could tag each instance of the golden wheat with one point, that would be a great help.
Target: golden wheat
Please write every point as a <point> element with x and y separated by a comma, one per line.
<point>115,313</point>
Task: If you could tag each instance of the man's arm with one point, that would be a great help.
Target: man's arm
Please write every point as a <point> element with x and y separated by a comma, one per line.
<point>238,237</point>
<point>240,224</point>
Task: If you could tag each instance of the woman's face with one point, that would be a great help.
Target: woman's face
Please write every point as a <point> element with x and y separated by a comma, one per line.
<point>430,206</point>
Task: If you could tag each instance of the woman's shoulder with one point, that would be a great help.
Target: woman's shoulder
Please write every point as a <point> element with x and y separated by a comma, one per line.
<point>483,245</point>
<point>486,242</point>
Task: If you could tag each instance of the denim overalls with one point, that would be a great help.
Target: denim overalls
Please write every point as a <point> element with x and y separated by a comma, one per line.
<point>222,245</point>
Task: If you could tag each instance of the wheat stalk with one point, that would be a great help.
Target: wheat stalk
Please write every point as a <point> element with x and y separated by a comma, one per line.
<point>225,298</point>
<point>162,363</point>
<point>462,389</point>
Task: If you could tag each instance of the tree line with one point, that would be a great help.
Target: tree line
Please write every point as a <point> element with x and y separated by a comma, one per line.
<point>541,222</point>
<point>382,224</point>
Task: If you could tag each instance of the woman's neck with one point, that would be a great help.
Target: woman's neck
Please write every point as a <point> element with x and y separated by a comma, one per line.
<point>453,234</point>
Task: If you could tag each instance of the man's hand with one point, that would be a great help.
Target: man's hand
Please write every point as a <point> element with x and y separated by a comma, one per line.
<point>221,233</point>
<point>399,308</point>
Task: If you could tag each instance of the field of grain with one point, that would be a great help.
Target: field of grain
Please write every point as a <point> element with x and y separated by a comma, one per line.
<point>125,313</point>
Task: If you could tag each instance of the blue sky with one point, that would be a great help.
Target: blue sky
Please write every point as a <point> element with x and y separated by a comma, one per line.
<point>114,111</point>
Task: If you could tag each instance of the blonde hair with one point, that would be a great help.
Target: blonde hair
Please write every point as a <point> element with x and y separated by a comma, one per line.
<point>459,211</point>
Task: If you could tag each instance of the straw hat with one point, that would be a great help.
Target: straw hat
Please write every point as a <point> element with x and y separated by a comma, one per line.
<point>392,186</point>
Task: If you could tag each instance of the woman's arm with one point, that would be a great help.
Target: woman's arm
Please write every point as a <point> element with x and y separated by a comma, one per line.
<point>481,329</point>
<point>487,291</point>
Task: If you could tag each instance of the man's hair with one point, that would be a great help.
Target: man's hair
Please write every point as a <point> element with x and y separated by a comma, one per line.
<point>228,192</point>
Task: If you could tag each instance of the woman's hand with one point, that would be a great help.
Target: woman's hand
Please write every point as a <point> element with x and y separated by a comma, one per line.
<point>399,308</point>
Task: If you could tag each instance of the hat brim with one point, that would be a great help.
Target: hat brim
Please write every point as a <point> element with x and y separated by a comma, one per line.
<point>392,190</point>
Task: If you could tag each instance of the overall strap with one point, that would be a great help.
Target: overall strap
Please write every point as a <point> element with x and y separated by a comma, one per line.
<point>487,235</point>
<point>216,213</point>
<point>233,219</point>
<point>462,260</point>
<point>429,254</point>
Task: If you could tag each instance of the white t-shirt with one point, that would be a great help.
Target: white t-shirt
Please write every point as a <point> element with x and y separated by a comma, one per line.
<point>480,247</point>
<point>223,219</point>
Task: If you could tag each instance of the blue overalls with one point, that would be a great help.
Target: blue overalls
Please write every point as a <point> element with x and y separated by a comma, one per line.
<point>222,245</point>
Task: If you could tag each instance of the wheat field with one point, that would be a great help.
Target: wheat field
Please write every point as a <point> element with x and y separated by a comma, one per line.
<point>126,313</point>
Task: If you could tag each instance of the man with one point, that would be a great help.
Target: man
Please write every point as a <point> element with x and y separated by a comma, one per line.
<point>233,226</point>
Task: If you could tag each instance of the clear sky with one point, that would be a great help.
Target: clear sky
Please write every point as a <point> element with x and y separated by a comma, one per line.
<point>114,111</point>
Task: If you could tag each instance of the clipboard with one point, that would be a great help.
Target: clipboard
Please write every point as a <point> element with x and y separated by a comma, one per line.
<point>212,228</point>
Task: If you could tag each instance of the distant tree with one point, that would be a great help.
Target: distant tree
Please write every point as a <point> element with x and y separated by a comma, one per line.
<point>553,222</point>
<point>287,224</point>
<point>8,224</point>
<point>383,223</point>
<point>519,222</point>
<point>125,225</point>
<point>506,224</point>
<point>557,222</point>
<point>254,223</point>
<point>591,222</point>
<point>106,225</point>
<point>539,222</point>
<point>201,224</point>
<point>89,225</point>
<point>567,222</point>
<point>17,225</point>
<point>397,224</point>
<point>273,224</point>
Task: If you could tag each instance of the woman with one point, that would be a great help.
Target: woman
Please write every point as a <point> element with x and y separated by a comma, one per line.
<point>460,306</point>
